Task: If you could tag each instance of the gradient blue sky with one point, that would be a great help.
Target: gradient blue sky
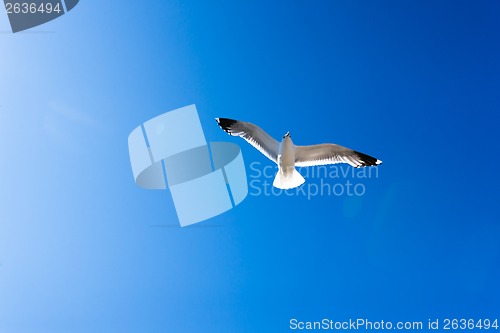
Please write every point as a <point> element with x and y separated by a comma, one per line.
<point>414,83</point>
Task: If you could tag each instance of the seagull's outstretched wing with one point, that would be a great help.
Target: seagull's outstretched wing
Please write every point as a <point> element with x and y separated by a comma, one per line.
<point>253,134</point>
<point>330,154</point>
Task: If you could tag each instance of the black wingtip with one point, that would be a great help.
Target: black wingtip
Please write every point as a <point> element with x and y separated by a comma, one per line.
<point>368,160</point>
<point>225,123</point>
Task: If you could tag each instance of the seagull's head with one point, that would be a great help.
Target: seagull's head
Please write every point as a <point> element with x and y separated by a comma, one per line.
<point>287,135</point>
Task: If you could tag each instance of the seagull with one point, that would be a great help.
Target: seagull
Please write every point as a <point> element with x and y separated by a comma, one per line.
<point>287,155</point>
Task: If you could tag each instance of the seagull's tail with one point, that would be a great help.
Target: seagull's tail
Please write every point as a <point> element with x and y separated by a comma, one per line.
<point>286,182</point>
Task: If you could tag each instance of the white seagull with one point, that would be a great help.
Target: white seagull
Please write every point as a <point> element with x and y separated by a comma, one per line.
<point>287,155</point>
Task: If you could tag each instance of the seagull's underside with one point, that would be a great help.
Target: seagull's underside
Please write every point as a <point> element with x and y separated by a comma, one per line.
<point>288,156</point>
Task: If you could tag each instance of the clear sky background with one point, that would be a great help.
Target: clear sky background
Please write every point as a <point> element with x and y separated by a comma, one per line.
<point>413,83</point>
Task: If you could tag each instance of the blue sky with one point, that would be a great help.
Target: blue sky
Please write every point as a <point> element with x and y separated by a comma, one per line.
<point>413,83</point>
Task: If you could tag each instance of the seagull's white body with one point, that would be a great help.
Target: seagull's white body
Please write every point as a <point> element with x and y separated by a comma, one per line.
<point>288,156</point>
<point>287,176</point>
